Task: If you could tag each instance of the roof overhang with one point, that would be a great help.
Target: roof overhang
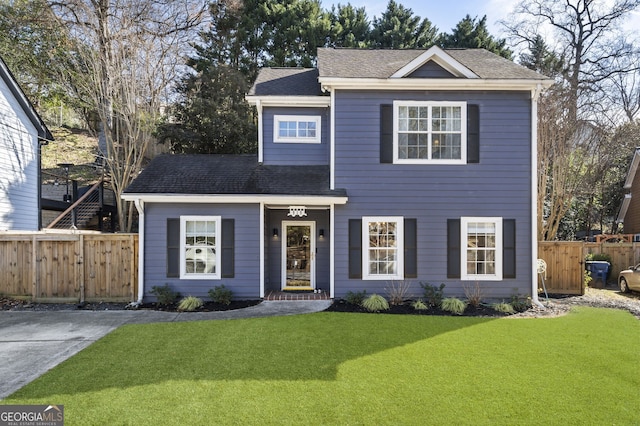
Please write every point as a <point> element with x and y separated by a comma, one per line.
<point>431,84</point>
<point>43,132</point>
<point>237,199</point>
<point>441,58</point>
<point>633,169</point>
<point>623,209</point>
<point>298,101</point>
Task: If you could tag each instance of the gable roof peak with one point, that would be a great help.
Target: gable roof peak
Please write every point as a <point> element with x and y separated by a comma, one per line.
<point>439,56</point>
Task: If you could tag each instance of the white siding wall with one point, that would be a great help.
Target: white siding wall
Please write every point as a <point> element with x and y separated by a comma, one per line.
<point>18,166</point>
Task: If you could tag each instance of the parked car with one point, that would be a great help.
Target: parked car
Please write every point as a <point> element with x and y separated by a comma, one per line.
<point>629,279</point>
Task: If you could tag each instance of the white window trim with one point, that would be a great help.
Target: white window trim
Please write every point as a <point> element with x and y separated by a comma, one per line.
<point>399,220</point>
<point>464,228</point>
<point>183,249</point>
<point>297,118</point>
<point>463,129</point>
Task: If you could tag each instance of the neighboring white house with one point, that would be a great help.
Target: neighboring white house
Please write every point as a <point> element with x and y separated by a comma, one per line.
<point>22,131</point>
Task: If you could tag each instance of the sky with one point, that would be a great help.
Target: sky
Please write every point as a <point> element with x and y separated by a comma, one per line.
<point>446,14</point>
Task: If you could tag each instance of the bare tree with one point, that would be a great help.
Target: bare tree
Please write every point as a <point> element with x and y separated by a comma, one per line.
<point>586,36</point>
<point>127,54</point>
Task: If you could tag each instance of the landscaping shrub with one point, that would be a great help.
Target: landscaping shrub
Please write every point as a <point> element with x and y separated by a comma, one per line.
<point>164,294</point>
<point>190,304</point>
<point>598,257</point>
<point>520,304</point>
<point>453,305</point>
<point>419,305</point>
<point>375,303</point>
<point>473,293</point>
<point>396,291</point>
<point>355,298</point>
<point>221,294</point>
<point>433,295</point>
<point>503,307</point>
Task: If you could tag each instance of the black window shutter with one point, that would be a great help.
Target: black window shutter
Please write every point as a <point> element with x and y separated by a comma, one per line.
<point>453,248</point>
<point>473,134</point>
<point>228,249</point>
<point>410,248</point>
<point>173,248</point>
<point>355,248</point>
<point>386,133</point>
<point>508,248</point>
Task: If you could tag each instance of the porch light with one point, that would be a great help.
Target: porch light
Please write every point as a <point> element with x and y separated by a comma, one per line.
<point>275,232</point>
<point>321,233</point>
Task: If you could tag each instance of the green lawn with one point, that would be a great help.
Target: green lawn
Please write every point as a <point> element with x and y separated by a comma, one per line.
<point>337,368</point>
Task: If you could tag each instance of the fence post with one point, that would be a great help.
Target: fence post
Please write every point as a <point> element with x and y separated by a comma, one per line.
<point>34,267</point>
<point>80,267</point>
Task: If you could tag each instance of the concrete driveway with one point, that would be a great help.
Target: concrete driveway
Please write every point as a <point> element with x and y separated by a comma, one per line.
<point>31,343</point>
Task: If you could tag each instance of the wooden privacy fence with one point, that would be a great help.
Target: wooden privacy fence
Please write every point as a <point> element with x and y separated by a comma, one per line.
<point>565,263</point>
<point>89,266</point>
<point>71,266</point>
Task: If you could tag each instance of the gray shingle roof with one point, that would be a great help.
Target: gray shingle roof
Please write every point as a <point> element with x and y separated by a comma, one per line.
<point>286,82</point>
<point>229,174</point>
<point>381,63</point>
<point>377,64</point>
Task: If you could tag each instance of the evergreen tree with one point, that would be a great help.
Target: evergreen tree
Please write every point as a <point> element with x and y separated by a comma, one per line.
<point>473,33</point>
<point>349,27</point>
<point>541,59</point>
<point>295,30</point>
<point>398,28</point>
<point>213,116</point>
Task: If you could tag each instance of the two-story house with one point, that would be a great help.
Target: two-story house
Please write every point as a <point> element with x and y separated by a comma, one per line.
<point>377,166</point>
<point>629,213</point>
<point>22,131</point>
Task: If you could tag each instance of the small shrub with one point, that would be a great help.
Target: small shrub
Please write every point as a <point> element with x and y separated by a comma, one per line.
<point>453,305</point>
<point>433,295</point>
<point>598,257</point>
<point>587,278</point>
<point>473,293</point>
<point>355,298</point>
<point>375,303</point>
<point>506,308</point>
<point>221,294</point>
<point>396,291</point>
<point>419,305</point>
<point>164,294</point>
<point>520,304</point>
<point>190,304</point>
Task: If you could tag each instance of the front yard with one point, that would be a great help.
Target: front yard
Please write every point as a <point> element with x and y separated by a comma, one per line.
<point>337,368</point>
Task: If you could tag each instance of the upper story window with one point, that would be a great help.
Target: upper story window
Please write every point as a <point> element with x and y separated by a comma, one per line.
<point>297,128</point>
<point>481,248</point>
<point>200,247</point>
<point>429,132</point>
<point>383,247</point>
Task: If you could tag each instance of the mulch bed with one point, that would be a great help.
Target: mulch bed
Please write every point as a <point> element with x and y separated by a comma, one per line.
<point>8,304</point>
<point>481,310</point>
<point>206,307</point>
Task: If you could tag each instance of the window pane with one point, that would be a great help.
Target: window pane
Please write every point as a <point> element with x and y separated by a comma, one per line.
<point>447,146</point>
<point>382,249</point>
<point>481,248</point>
<point>200,247</point>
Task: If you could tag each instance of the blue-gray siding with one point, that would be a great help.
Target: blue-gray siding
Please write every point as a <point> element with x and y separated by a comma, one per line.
<point>295,153</point>
<point>246,282</point>
<point>499,185</point>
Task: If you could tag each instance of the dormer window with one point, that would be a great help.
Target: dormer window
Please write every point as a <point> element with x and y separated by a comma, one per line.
<point>430,132</point>
<point>297,128</point>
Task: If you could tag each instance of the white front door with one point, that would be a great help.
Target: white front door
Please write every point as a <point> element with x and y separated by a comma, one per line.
<point>298,255</point>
